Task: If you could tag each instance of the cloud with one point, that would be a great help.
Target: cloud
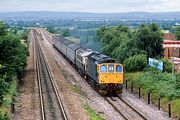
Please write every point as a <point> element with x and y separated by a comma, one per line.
<point>90,5</point>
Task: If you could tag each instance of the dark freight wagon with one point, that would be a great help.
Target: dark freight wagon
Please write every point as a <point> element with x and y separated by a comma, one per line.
<point>71,52</point>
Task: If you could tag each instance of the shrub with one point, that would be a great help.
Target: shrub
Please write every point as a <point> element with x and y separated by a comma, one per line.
<point>178,80</point>
<point>167,65</point>
<point>3,88</point>
<point>135,63</point>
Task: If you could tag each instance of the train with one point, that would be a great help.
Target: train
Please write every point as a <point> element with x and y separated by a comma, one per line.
<point>99,70</point>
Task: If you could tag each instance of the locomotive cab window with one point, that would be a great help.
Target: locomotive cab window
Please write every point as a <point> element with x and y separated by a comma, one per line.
<point>103,68</point>
<point>118,68</point>
<point>110,68</point>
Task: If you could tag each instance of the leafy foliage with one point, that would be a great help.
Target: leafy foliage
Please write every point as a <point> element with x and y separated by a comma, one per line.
<point>167,65</point>
<point>3,87</point>
<point>51,29</point>
<point>178,33</point>
<point>3,29</point>
<point>155,81</point>
<point>149,39</point>
<point>135,63</point>
<point>178,80</point>
<point>65,33</point>
<point>13,59</point>
<point>112,38</point>
<point>122,43</point>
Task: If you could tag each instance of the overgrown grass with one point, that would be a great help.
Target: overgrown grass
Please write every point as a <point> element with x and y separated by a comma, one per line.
<point>4,115</point>
<point>75,89</point>
<point>91,113</point>
<point>5,107</point>
<point>160,85</point>
<point>133,76</point>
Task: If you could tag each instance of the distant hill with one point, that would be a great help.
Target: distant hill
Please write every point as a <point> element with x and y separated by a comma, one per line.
<point>37,15</point>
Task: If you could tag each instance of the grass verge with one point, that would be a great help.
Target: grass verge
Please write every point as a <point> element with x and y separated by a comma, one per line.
<point>157,85</point>
<point>7,100</point>
<point>91,113</point>
<point>75,88</point>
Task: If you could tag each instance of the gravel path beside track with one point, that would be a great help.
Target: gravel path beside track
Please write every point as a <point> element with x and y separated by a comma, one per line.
<point>25,106</point>
<point>150,111</point>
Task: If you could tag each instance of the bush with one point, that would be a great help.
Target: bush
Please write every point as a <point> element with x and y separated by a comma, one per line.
<point>3,115</point>
<point>3,88</point>
<point>135,63</point>
<point>178,80</point>
<point>167,65</point>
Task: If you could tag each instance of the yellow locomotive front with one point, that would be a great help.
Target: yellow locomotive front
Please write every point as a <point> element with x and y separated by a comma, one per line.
<point>110,76</point>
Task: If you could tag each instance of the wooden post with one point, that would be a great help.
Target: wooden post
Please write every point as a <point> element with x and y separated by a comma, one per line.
<point>139,92</point>
<point>149,97</point>
<point>12,107</point>
<point>132,87</point>
<point>159,103</point>
<point>126,83</point>
<point>169,109</point>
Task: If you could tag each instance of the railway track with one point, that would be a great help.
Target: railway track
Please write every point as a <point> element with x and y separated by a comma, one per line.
<point>115,108</point>
<point>124,109</point>
<point>131,107</point>
<point>127,112</point>
<point>50,101</point>
<point>46,35</point>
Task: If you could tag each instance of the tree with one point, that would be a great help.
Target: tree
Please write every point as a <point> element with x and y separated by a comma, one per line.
<point>125,50</point>
<point>121,43</point>
<point>111,38</point>
<point>135,63</point>
<point>3,29</point>
<point>177,33</point>
<point>13,55</point>
<point>65,33</point>
<point>51,29</point>
<point>149,39</point>
<point>12,61</point>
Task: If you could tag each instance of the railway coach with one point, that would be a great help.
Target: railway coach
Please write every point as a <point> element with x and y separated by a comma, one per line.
<point>99,70</point>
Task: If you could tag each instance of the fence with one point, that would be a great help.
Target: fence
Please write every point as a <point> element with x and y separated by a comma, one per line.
<point>129,86</point>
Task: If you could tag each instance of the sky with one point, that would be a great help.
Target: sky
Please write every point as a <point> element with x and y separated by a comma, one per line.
<point>97,6</point>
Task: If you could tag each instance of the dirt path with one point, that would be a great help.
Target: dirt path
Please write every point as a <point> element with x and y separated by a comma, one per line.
<point>25,100</point>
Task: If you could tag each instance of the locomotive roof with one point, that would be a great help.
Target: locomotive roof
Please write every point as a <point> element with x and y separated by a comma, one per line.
<point>101,58</point>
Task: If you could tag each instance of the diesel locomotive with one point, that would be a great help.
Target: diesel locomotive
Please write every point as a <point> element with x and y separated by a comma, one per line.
<point>100,70</point>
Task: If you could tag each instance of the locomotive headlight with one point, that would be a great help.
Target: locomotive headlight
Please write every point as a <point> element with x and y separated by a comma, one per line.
<point>111,68</point>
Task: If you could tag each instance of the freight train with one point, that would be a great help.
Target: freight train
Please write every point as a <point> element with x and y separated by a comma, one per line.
<point>98,69</point>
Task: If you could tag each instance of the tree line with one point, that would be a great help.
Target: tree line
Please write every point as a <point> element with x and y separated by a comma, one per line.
<point>132,47</point>
<point>13,59</point>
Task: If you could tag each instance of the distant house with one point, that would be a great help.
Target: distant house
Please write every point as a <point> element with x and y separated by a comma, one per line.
<point>172,49</point>
<point>169,36</point>
<point>171,46</point>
